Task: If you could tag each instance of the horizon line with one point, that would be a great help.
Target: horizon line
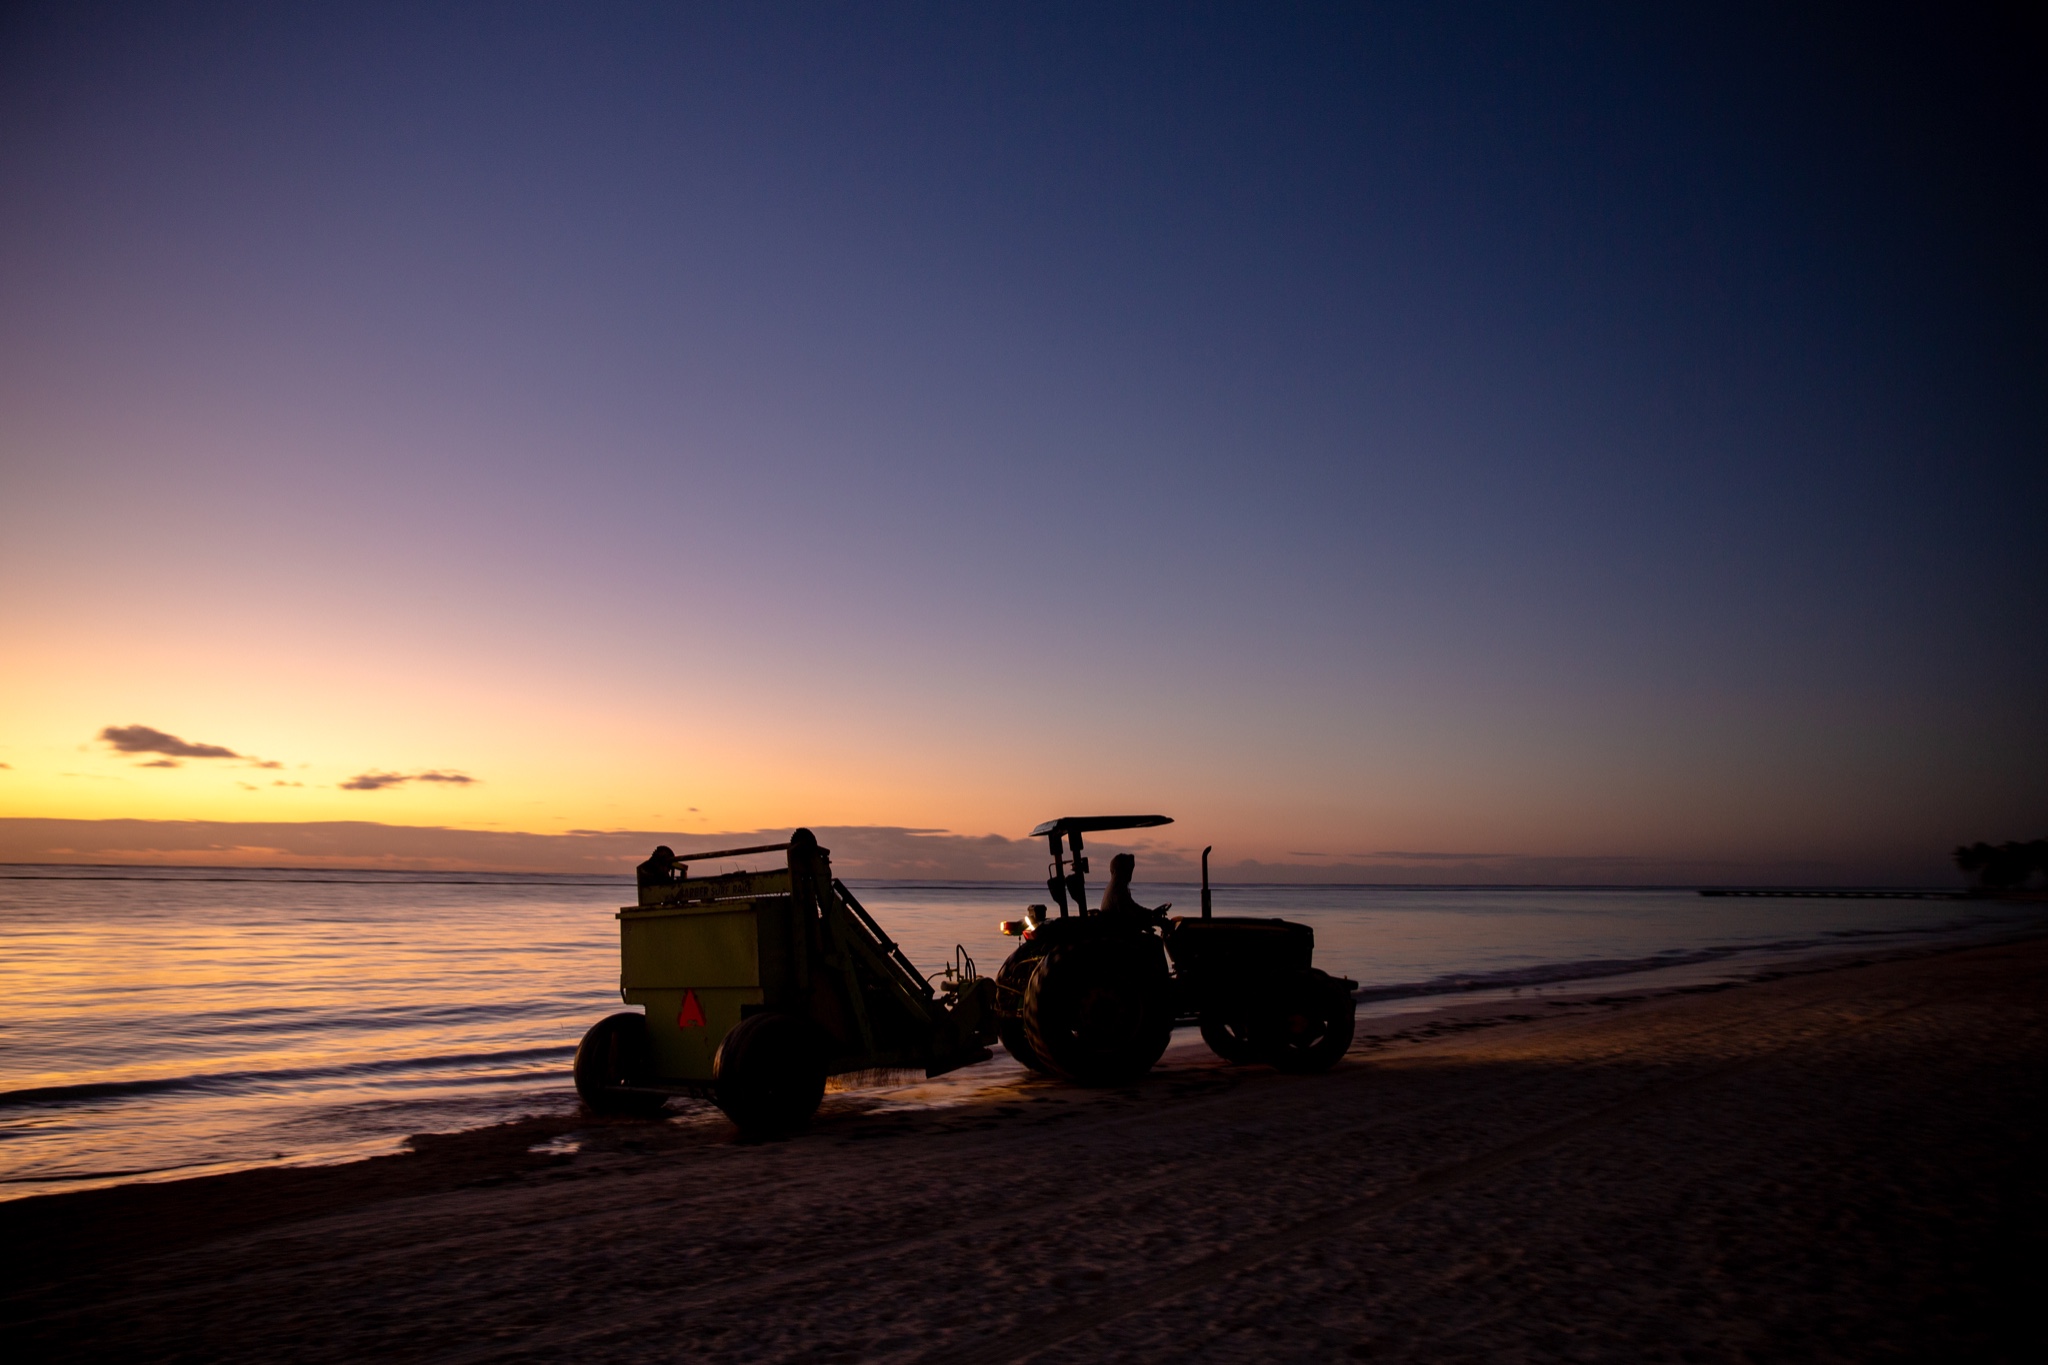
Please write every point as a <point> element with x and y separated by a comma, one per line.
<point>599,877</point>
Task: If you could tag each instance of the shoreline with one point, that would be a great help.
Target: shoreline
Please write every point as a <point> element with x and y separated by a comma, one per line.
<point>51,1235</point>
<point>1452,997</point>
<point>1499,992</point>
<point>1416,1003</point>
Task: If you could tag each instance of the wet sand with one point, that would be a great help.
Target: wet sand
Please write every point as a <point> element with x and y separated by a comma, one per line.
<point>1843,1164</point>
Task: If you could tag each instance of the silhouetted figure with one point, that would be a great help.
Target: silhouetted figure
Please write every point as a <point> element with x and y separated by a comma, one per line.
<point>1116,897</point>
<point>661,868</point>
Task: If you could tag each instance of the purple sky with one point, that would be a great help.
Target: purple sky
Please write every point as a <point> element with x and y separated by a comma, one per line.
<point>1545,431</point>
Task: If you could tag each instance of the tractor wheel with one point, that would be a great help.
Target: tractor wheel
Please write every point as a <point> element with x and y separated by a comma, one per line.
<point>769,1075</point>
<point>1011,1034</point>
<point>1229,1039</point>
<point>1315,1025</point>
<point>1011,983</point>
<point>1099,1013</point>
<point>617,1051</point>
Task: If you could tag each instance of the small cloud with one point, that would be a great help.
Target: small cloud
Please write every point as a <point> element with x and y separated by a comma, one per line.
<point>162,763</point>
<point>6,765</point>
<point>264,763</point>
<point>1298,854</point>
<point>374,781</point>
<point>693,810</point>
<point>282,783</point>
<point>246,787</point>
<point>144,739</point>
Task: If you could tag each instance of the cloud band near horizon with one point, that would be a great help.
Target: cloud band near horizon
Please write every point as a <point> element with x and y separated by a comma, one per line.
<point>864,851</point>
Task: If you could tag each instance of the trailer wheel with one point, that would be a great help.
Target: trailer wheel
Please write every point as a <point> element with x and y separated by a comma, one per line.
<point>1315,1025</point>
<point>1229,1039</point>
<point>769,1075</point>
<point>1099,1013</point>
<point>616,1051</point>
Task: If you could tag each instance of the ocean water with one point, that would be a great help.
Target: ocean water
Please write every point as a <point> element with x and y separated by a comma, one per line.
<point>158,1023</point>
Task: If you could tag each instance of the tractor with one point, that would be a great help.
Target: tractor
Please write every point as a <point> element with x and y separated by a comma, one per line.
<point>1093,996</point>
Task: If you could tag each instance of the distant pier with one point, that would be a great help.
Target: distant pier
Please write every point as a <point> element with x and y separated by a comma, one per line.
<point>1833,893</point>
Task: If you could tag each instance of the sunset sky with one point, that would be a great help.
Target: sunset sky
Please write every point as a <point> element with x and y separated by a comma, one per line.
<point>1566,433</point>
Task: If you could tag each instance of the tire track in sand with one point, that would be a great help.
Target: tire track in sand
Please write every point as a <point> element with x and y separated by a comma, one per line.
<point>703,1296</point>
<point>1027,1340</point>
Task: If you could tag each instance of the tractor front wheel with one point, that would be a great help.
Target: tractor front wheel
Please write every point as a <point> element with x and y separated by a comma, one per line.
<point>1316,1020</point>
<point>1229,1039</point>
<point>617,1052</point>
<point>1099,1013</point>
<point>769,1075</point>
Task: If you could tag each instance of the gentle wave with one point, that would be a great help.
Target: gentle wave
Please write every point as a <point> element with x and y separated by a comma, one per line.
<point>1563,973</point>
<point>274,1021</point>
<point>232,1080</point>
<point>129,1173</point>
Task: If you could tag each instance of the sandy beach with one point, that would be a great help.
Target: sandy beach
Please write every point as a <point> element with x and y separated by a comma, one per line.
<point>1841,1164</point>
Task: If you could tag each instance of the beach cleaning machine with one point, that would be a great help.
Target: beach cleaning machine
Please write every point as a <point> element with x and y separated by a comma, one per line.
<point>757,986</point>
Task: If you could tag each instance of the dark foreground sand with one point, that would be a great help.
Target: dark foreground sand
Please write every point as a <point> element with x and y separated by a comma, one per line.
<point>1841,1165</point>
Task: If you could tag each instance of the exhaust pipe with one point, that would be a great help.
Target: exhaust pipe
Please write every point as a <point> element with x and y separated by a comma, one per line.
<point>1205,882</point>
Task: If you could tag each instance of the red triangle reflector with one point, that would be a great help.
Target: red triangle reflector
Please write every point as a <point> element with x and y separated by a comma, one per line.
<point>691,1015</point>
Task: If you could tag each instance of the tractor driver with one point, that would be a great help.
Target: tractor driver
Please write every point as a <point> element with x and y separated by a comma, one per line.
<point>661,868</point>
<point>1117,898</point>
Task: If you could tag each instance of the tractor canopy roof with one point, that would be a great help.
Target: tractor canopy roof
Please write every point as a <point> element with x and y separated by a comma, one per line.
<point>1088,824</point>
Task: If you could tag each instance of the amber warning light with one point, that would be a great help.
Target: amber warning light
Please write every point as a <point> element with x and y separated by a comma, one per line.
<point>1034,915</point>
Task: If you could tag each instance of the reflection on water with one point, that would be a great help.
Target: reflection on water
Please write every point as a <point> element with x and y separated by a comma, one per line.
<point>162,1022</point>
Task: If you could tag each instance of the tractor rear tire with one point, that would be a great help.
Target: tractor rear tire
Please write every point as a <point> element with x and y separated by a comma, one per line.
<point>1012,980</point>
<point>1316,1023</point>
<point>1010,1033</point>
<point>1099,1013</point>
<point>1229,1039</point>
<point>769,1075</point>
<point>617,1051</point>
